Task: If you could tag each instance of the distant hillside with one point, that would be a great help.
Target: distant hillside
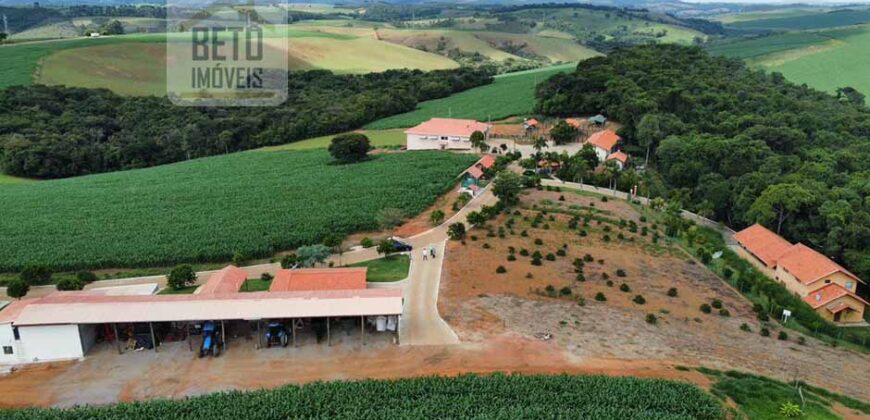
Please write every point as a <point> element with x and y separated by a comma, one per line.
<point>22,18</point>
<point>821,20</point>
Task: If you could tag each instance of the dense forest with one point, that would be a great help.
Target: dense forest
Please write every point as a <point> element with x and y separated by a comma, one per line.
<point>735,144</point>
<point>54,132</point>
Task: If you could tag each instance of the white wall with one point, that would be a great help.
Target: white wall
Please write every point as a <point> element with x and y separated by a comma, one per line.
<point>7,338</point>
<point>417,142</point>
<point>602,154</point>
<point>50,342</point>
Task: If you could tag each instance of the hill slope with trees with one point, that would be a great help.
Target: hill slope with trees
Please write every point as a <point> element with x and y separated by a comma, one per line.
<point>736,144</point>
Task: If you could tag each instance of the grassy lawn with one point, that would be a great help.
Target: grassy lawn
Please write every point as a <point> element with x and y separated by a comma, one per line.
<point>392,268</point>
<point>256,285</point>
<point>183,291</point>
<point>205,210</point>
<point>510,94</point>
<point>8,179</point>
<point>378,138</point>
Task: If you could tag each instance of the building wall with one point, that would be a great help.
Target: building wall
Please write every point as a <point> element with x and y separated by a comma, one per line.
<point>855,315</point>
<point>602,154</point>
<point>802,290</point>
<point>50,342</point>
<point>840,278</point>
<point>791,283</point>
<point>417,142</point>
<point>757,263</point>
<point>7,339</point>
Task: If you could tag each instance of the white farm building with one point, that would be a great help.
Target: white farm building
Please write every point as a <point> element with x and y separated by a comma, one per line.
<point>444,134</point>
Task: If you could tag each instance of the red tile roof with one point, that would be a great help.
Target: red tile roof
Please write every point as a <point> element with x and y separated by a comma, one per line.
<point>575,122</point>
<point>605,139</point>
<point>622,157</point>
<point>319,279</point>
<point>762,243</point>
<point>227,280</point>
<point>809,266</point>
<point>448,127</point>
<point>487,161</point>
<point>531,122</point>
<point>475,172</point>
<point>827,294</point>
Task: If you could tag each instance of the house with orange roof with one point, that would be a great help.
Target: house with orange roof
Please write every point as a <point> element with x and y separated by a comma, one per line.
<point>226,280</point>
<point>604,142</point>
<point>620,158</point>
<point>577,123</point>
<point>444,134</point>
<point>827,286</point>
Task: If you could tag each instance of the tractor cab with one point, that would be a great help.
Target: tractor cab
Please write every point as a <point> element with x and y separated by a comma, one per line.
<point>276,334</point>
<point>211,340</point>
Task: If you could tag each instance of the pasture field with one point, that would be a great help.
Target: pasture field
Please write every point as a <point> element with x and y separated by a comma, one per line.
<point>378,138</point>
<point>9,180</point>
<point>135,64</point>
<point>825,60</point>
<point>503,396</point>
<point>819,20</point>
<point>207,209</point>
<point>768,14</point>
<point>510,94</point>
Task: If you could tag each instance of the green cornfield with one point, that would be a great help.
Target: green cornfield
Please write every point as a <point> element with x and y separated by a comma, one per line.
<point>468,396</point>
<point>206,210</point>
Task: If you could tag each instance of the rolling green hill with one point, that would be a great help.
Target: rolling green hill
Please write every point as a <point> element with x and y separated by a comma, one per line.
<point>510,94</point>
<point>204,210</point>
<point>819,20</point>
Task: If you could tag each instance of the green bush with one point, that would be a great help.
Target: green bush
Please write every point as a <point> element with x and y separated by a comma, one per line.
<point>782,335</point>
<point>36,274</point>
<point>588,258</point>
<point>705,308</point>
<point>716,304</point>
<point>620,273</point>
<point>524,252</point>
<point>724,312</point>
<point>745,327</point>
<point>624,287</point>
<point>511,257</point>
<point>181,276</point>
<point>672,292</point>
<point>651,319</point>
<point>500,269</point>
<point>539,241</point>
<point>86,277</point>
<point>67,283</point>
<point>764,332</point>
<point>565,291</point>
<point>600,297</point>
<point>551,257</point>
<point>639,300</point>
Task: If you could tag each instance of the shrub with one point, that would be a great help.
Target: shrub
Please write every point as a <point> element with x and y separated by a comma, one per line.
<point>604,198</point>
<point>529,275</point>
<point>727,272</point>
<point>501,269</point>
<point>745,327</point>
<point>782,335</point>
<point>583,233</point>
<point>511,257</point>
<point>456,231</point>
<point>536,261</point>
<point>724,312</point>
<point>86,277</point>
<point>639,300</point>
<point>486,246</point>
<point>367,242</point>
<point>789,409</point>
<point>581,301</point>
<point>561,252</point>
<point>524,252</point>
<point>70,284</point>
<point>605,238</point>
<point>605,276</point>
<point>624,287</point>
<point>266,277</point>
<point>705,308</point>
<point>551,257</point>
<point>538,241</point>
<point>609,283</point>
<point>561,198</point>
<point>473,237</point>
<point>17,288</point>
<point>764,332</point>
<point>600,297</point>
<point>35,274</point>
<point>181,276</point>
<point>802,340</point>
<point>588,258</point>
<point>580,277</point>
<point>651,319</point>
<point>672,292</point>
<point>512,250</point>
<point>565,291</point>
<point>524,233</point>
<point>620,273</point>
<point>716,303</point>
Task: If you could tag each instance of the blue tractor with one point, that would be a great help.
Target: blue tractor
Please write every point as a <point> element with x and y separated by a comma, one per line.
<point>211,340</point>
<point>276,334</point>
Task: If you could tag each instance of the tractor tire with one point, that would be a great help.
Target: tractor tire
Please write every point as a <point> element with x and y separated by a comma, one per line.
<point>284,341</point>
<point>216,350</point>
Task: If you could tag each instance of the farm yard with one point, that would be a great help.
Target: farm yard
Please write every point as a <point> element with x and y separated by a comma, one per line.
<point>590,273</point>
<point>510,94</point>
<point>254,203</point>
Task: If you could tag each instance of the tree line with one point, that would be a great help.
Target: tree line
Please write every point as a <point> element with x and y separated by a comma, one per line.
<point>55,132</point>
<point>735,144</point>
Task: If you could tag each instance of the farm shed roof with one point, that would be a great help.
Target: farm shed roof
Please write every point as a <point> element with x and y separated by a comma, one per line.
<point>77,308</point>
<point>604,139</point>
<point>762,243</point>
<point>598,119</point>
<point>487,161</point>
<point>808,265</point>
<point>828,294</point>
<point>475,172</point>
<point>448,127</point>
<point>311,279</point>
<point>575,122</point>
<point>226,280</point>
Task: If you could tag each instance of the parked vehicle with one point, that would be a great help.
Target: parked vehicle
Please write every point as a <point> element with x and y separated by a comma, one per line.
<point>276,334</point>
<point>211,340</point>
<point>400,246</point>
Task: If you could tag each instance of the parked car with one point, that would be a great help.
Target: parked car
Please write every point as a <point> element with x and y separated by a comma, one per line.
<point>400,246</point>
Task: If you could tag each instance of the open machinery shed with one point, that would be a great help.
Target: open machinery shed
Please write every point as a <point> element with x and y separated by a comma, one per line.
<point>64,325</point>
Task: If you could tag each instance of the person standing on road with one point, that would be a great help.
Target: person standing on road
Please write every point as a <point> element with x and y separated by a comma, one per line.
<point>425,254</point>
<point>432,251</point>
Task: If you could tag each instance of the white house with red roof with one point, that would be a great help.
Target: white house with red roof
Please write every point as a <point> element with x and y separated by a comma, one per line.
<point>826,286</point>
<point>444,134</point>
<point>620,158</point>
<point>604,142</point>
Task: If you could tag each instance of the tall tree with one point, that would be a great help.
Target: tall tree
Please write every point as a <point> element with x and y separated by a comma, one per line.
<point>779,201</point>
<point>507,186</point>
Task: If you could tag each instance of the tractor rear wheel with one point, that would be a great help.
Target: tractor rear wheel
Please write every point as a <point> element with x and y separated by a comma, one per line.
<point>216,350</point>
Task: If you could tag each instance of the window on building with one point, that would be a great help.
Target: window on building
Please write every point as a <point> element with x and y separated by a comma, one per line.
<point>827,281</point>
<point>849,285</point>
<point>7,349</point>
<point>443,137</point>
<point>15,333</point>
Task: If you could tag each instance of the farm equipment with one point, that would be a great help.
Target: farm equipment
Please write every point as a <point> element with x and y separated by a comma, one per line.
<point>276,334</point>
<point>211,340</point>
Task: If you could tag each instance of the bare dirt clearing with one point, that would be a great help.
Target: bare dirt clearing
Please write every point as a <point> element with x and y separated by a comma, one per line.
<point>481,304</point>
